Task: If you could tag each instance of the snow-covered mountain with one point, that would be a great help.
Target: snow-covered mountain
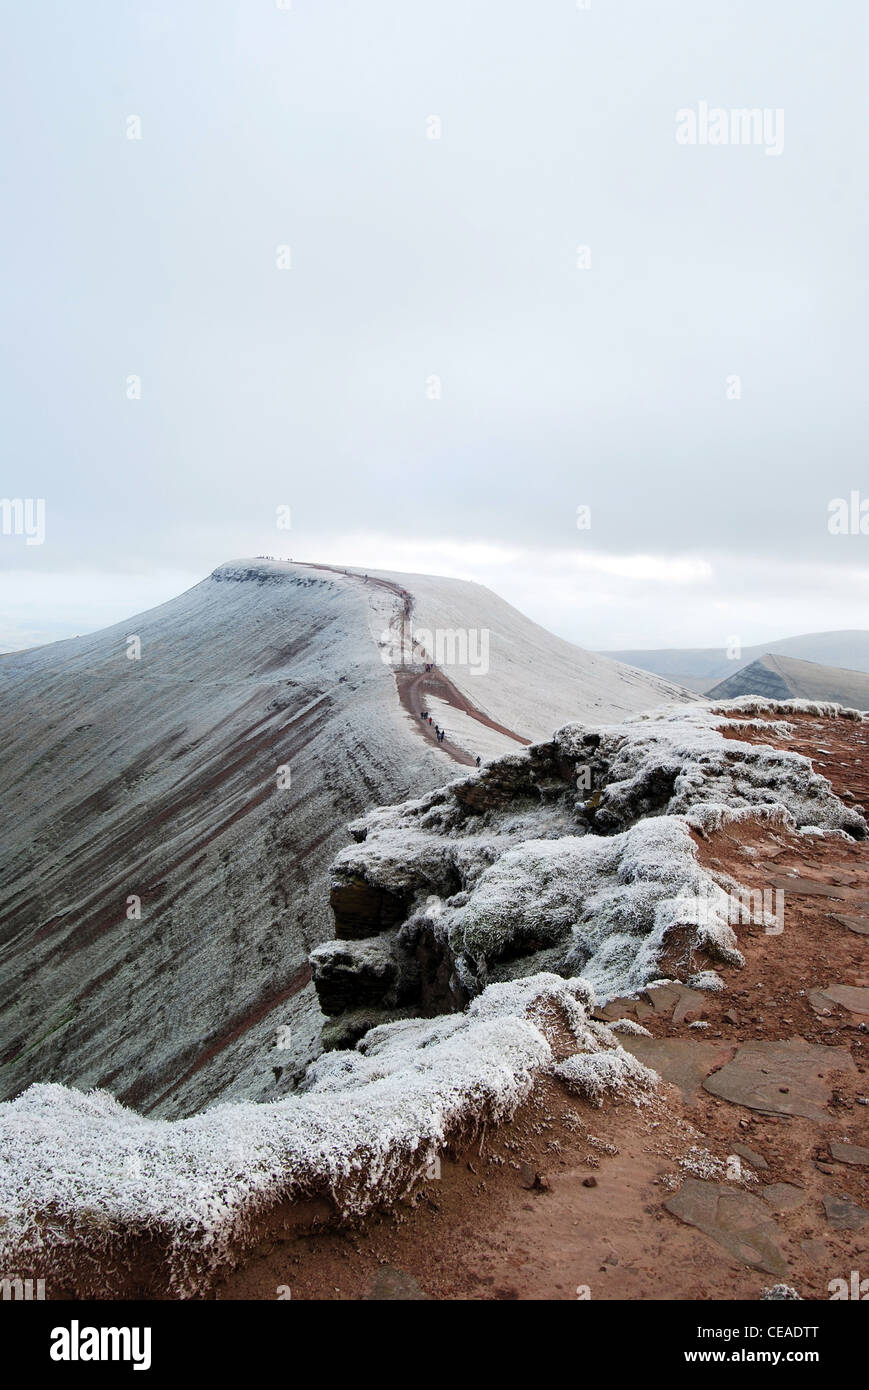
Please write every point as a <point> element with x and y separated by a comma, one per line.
<point>785,678</point>
<point>533,680</point>
<point>173,789</point>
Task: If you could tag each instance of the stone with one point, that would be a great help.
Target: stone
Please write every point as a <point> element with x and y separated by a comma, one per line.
<point>527,1175</point>
<point>395,1286</point>
<point>355,974</point>
<point>806,887</point>
<point>849,996</point>
<point>737,1221</point>
<point>663,998</point>
<point>754,1075</point>
<point>815,1249</point>
<point>751,1156</point>
<point>532,1180</point>
<point>361,909</point>
<point>853,922</point>
<point>856,1154</point>
<point>784,1196</point>
<point>845,1215</point>
<point>691,1002</point>
<point>589,1182</point>
<point>622,1008</point>
<point>682,1061</point>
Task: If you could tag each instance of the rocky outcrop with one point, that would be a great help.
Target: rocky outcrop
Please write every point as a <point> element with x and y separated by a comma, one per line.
<point>574,856</point>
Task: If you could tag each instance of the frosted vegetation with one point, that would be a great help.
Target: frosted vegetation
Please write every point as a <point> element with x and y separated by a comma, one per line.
<point>575,856</point>
<point>547,882</point>
<point>81,1172</point>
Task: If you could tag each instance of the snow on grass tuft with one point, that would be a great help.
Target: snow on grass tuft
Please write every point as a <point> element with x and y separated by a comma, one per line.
<point>605,1074</point>
<point>627,1025</point>
<point>706,979</point>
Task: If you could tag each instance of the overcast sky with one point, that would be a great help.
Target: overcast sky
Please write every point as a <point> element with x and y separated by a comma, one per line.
<point>602,378</point>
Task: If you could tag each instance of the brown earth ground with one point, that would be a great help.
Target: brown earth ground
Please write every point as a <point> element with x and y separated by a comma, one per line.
<point>568,1201</point>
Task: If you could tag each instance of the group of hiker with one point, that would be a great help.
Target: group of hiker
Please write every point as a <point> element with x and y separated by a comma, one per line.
<point>440,733</point>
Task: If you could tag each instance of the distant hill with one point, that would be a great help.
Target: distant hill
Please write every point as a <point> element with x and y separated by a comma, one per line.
<point>784,678</point>
<point>698,668</point>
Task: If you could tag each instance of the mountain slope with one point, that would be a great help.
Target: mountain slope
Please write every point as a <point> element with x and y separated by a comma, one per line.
<point>783,678</point>
<point>533,680</point>
<point>157,779</point>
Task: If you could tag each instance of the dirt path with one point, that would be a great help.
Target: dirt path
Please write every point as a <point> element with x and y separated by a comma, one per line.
<point>414,682</point>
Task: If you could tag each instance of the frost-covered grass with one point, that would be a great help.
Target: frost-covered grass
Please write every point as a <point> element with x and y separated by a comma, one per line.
<point>82,1172</point>
<point>604,1074</point>
<point>609,899</point>
<point>705,777</point>
<point>706,979</point>
<point>760,704</point>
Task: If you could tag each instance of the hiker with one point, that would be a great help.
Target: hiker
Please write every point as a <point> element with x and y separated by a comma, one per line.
<point>478,760</point>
